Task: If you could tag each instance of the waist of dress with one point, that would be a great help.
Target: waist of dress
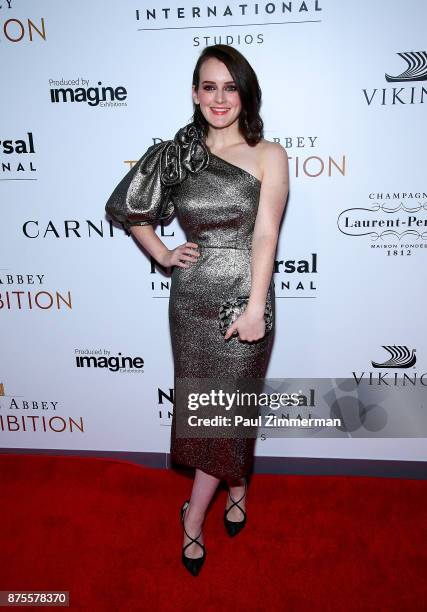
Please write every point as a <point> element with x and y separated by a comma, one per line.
<point>239,247</point>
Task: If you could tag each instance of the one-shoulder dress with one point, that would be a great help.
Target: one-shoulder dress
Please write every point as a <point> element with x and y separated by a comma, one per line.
<point>216,204</point>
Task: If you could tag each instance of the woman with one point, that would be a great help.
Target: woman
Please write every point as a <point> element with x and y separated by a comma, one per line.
<point>228,187</point>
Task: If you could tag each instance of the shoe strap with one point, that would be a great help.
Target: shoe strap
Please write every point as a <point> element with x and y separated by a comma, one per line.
<point>236,503</point>
<point>193,540</point>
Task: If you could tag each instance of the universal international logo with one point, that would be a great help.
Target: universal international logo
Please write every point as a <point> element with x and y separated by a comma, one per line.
<point>412,67</point>
<point>78,91</point>
<point>211,15</point>
<point>296,277</point>
<point>18,158</point>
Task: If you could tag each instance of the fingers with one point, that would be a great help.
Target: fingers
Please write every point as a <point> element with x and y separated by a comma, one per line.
<point>181,264</point>
<point>189,257</point>
<point>187,252</point>
<point>231,331</point>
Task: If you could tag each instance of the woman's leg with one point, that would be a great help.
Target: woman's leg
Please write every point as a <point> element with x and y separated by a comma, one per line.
<point>204,487</point>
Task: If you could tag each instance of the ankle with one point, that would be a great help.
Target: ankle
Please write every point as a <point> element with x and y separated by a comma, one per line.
<point>194,516</point>
<point>237,491</point>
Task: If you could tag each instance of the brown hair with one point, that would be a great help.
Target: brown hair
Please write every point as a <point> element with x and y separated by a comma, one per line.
<point>250,123</point>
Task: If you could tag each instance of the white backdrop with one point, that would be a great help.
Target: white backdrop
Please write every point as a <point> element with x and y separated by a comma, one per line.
<point>356,143</point>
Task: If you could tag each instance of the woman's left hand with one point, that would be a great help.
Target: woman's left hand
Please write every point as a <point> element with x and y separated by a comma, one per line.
<point>248,326</point>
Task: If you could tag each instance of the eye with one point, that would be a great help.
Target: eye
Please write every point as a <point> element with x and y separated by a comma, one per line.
<point>230,87</point>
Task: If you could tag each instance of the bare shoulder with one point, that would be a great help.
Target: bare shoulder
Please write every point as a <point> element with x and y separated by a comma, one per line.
<point>272,151</point>
<point>273,158</point>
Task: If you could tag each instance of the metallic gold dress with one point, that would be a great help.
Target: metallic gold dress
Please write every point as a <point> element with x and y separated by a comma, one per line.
<point>216,204</point>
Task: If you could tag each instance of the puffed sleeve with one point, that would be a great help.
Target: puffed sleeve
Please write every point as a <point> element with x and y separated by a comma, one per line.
<point>142,197</point>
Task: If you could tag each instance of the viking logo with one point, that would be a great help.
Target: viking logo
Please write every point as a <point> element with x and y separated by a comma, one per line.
<point>417,67</point>
<point>401,357</point>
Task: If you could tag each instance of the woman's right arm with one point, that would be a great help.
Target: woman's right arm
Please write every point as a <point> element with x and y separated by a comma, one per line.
<point>147,238</point>
<point>142,199</point>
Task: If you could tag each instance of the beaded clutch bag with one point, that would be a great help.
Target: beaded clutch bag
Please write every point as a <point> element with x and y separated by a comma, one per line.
<point>229,310</point>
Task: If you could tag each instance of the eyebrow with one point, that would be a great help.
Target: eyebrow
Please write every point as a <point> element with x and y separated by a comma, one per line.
<point>226,82</point>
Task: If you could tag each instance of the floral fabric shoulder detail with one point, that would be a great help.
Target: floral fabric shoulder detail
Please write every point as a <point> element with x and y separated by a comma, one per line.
<point>143,196</point>
<point>185,153</point>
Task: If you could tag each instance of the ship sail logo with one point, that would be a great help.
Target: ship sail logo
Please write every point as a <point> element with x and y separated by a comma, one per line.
<point>400,357</point>
<point>416,70</point>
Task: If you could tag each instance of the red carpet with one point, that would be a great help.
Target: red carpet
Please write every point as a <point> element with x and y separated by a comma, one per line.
<point>109,532</point>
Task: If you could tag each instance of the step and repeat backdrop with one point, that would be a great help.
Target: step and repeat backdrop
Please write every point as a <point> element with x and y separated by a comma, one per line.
<point>87,87</point>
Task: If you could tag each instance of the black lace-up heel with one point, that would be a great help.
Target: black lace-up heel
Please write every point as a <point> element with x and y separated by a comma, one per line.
<point>234,527</point>
<point>193,565</point>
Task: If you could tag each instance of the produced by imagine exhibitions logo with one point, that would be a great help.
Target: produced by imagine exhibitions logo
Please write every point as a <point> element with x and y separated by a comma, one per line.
<point>104,359</point>
<point>77,91</point>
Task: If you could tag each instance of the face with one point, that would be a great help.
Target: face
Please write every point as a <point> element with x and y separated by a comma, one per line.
<point>217,94</point>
